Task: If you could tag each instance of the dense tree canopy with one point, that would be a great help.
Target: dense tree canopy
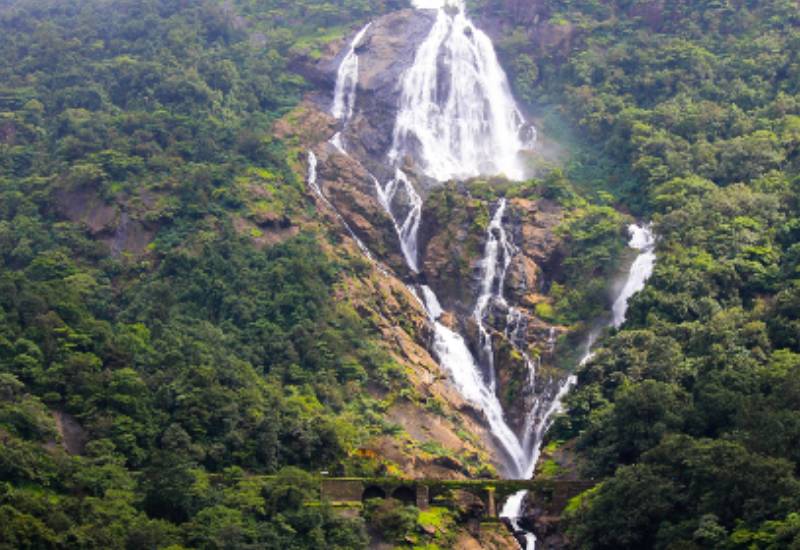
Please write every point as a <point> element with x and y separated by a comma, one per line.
<point>137,319</point>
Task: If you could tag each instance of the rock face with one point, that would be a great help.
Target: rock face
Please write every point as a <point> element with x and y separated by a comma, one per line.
<point>454,221</point>
<point>351,191</point>
<point>385,52</point>
<point>120,225</point>
<point>453,236</point>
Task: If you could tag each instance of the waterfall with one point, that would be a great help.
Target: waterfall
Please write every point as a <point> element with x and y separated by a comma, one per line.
<point>477,132</point>
<point>454,355</point>
<point>344,95</point>
<point>456,115</point>
<point>312,175</point>
<point>496,259</point>
<point>642,240</point>
<point>457,119</point>
<point>406,226</point>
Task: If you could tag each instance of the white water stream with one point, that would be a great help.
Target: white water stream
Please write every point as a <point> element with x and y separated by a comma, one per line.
<point>344,95</point>
<point>457,116</point>
<point>496,259</point>
<point>642,240</point>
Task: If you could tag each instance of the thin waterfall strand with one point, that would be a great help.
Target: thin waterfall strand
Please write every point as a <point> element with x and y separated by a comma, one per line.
<point>643,240</point>
<point>496,259</point>
<point>344,94</point>
<point>313,184</point>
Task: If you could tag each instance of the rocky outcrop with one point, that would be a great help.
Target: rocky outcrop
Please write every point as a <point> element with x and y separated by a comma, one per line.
<point>544,36</point>
<point>451,236</point>
<point>351,191</point>
<point>120,225</point>
<point>305,126</point>
<point>385,52</point>
<point>531,224</point>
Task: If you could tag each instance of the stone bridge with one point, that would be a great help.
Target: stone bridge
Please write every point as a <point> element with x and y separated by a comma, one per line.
<point>552,495</point>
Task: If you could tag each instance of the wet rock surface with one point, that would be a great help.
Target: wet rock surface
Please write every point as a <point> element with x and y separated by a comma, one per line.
<point>385,52</point>
<point>352,192</point>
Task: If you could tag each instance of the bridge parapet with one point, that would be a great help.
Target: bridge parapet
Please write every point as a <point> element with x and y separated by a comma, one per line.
<point>550,494</point>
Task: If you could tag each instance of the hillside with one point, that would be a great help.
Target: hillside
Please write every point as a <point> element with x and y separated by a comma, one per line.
<point>215,285</point>
<point>688,113</point>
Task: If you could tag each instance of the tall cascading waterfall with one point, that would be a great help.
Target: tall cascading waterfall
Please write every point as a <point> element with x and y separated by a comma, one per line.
<point>490,140</point>
<point>457,119</point>
<point>470,127</point>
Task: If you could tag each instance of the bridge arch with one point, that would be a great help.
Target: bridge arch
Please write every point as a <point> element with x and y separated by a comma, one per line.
<point>405,494</point>
<point>372,491</point>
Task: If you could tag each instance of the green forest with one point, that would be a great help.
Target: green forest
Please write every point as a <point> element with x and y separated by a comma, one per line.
<point>204,357</point>
<point>140,303</point>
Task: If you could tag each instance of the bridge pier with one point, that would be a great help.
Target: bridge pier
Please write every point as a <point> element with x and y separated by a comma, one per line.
<point>423,496</point>
<point>491,503</point>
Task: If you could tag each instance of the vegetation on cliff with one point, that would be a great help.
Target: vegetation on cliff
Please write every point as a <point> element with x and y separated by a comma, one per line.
<point>689,414</point>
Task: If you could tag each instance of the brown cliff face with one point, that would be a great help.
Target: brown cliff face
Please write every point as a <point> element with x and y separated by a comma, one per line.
<point>351,191</point>
<point>126,224</point>
<point>431,430</point>
<point>452,240</point>
<point>452,235</point>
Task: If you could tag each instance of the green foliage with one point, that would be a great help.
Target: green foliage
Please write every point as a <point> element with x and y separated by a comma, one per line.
<point>391,519</point>
<point>135,143</point>
<point>594,242</point>
<point>690,110</point>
